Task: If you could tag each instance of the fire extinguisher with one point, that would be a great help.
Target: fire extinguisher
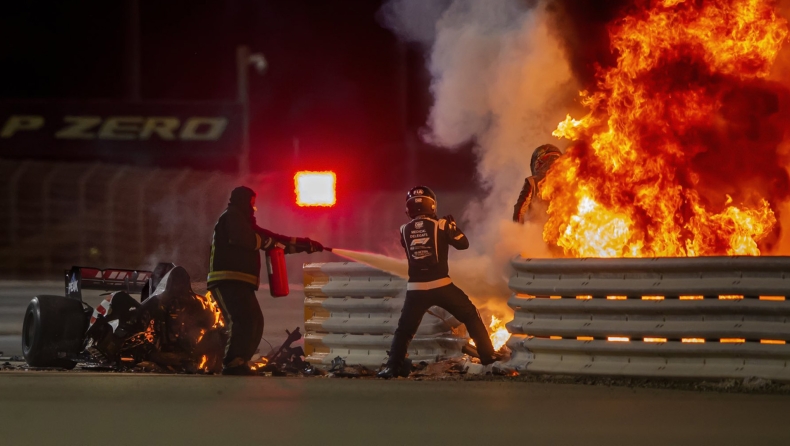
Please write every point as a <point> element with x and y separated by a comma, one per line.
<point>278,274</point>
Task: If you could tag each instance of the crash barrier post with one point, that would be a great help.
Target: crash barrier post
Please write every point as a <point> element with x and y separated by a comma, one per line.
<point>352,310</point>
<point>703,317</point>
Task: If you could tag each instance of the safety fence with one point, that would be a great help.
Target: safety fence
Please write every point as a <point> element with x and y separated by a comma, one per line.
<point>60,214</point>
<point>55,215</point>
<point>705,317</point>
<point>352,310</point>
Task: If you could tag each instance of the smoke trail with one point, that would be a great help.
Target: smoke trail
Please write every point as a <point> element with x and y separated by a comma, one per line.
<point>501,79</point>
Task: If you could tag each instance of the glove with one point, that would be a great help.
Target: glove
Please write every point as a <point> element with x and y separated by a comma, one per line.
<point>315,246</point>
<point>304,244</point>
<point>451,226</point>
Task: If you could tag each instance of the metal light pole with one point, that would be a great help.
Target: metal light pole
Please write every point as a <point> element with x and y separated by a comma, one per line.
<point>243,60</point>
<point>132,57</point>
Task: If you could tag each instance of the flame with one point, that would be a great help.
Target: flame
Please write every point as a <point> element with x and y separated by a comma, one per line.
<point>732,340</point>
<point>497,332</point>
<point>260,363</point>
<point>654,339</point>
<point>209,303</point>
<point>692,340</point>
<point>203,361</point>
<point>628,186</point>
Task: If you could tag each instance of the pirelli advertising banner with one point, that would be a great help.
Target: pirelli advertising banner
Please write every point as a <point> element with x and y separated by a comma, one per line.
<point>199,135</point>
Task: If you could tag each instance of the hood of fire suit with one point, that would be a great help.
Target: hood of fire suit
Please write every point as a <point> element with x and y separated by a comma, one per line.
<point>240,199</point>
<point>542,159</point>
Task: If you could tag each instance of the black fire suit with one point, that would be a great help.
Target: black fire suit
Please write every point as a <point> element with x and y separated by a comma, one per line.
<point>234,272</point>
<point>426,241</point>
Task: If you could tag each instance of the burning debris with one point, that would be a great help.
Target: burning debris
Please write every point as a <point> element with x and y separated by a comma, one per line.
<point>286,360</point>
<point>678,155</point>
<point>174,330</point>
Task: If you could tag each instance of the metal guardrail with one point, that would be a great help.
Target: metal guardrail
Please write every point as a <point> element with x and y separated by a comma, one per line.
<point>704,317</point>
<point>352,310</point>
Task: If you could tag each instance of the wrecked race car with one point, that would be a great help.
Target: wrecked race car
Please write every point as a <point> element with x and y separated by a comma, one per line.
<point>171,328</point>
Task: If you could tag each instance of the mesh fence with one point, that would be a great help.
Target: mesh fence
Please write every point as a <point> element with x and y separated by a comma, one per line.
<point>55,215</point>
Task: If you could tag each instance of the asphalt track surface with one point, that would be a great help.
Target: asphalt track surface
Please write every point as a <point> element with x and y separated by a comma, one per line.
<point>121,409</point>
<point>47,407</point>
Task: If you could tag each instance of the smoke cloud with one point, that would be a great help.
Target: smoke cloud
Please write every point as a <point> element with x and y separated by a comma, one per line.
<point>500,78</point>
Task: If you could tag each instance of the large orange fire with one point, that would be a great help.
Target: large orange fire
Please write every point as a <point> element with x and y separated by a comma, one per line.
<point>661,164</point>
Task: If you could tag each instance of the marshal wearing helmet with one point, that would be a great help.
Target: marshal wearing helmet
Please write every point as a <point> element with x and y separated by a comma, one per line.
<point>426,239</point>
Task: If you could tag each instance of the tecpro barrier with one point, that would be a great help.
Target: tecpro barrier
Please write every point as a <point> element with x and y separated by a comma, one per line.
<point>352,310</point>
<point>704,317</point>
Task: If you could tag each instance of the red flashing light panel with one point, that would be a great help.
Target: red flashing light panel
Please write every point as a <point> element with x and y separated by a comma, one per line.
<point>315,188</point>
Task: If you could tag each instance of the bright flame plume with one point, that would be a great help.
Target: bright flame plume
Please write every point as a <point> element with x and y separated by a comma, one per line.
<point>633,183</point>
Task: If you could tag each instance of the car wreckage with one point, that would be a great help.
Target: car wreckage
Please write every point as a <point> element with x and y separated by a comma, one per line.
<point>169,329</point>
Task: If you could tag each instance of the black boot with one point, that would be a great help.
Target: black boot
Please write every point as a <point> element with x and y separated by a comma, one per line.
<point>486,360</point>
<point>386,373</point>
<point>402,370</point>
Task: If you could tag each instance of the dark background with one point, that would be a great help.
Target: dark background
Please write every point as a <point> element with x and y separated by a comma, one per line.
<point>339,86</point>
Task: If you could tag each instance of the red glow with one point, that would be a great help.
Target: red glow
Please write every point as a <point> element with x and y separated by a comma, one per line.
<point>315,188</point>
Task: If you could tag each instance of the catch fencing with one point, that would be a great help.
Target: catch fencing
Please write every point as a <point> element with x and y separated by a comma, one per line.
<point>352,310</point>
<point>55,215</point>
<point>60,214</point>
<point>705,317</point>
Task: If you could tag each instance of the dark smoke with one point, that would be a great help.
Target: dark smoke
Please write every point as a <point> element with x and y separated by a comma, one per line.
<point>581,29</point>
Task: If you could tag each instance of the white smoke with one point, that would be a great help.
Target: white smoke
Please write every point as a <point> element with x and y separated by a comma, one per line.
<point>500,79</point>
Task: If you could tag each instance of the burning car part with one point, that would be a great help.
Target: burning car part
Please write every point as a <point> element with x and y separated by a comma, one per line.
<point>172,329</point>
<point>678,155</point>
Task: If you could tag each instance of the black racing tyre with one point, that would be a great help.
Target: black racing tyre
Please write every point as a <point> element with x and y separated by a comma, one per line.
<point>54,330</point>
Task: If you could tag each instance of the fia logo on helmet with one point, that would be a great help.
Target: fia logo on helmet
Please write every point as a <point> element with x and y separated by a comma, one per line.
<point>419,192</point>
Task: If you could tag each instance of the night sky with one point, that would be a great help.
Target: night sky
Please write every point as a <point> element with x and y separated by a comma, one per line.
<point>338,82</point>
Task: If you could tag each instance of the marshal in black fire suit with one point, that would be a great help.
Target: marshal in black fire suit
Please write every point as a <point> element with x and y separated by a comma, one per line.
<point>426,240</point>
<point>234,274</point>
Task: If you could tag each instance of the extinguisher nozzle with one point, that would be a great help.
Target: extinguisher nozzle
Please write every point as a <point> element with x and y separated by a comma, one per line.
<point>327,249</point>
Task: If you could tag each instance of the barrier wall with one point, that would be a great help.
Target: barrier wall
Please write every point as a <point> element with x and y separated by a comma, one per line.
<point>707,317</point>
<point>352,310</point>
